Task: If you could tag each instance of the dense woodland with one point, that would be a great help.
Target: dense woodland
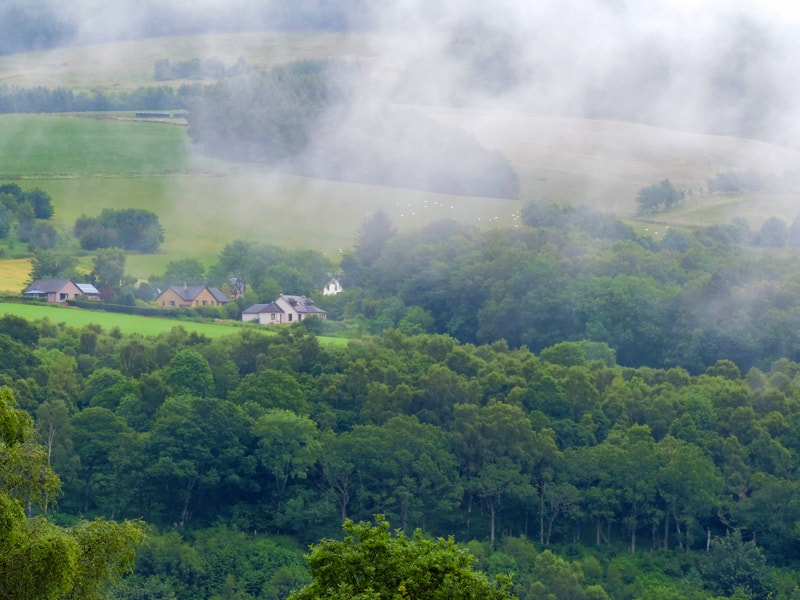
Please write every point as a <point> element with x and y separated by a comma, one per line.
<point>570,273</point>
<point>249,446</point>
<point>600,414</point>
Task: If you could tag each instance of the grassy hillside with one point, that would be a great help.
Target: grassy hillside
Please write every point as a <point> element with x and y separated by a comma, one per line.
<point>90,162</point>
<point>130,64</point>
<point>605,163</point>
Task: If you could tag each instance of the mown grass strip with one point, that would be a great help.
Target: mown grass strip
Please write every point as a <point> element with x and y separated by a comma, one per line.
<point>76,317</point>
<point>128,324</point>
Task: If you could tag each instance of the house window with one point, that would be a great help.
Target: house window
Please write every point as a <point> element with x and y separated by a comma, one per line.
<point>272,316</point>
<point>172,303</point>
<point>63,296</point>
<point>205,302</point>
<point>290,316</point>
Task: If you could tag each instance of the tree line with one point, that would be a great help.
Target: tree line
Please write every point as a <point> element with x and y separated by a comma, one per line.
<point>40,99</point>
<point>194,68</point>
<point>688,299</point>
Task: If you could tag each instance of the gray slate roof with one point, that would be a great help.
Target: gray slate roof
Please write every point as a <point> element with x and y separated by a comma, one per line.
<point>262,308</point>
<point>302,304</point>
<point>46,286</point>
<point>190,292</point>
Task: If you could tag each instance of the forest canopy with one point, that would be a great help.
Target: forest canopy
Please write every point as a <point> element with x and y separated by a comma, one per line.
<point>572,471</point>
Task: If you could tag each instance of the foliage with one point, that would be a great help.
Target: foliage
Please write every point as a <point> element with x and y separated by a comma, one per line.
<point>374,232</point>
<point>131,229</point>
<point>689,301</point>
<point>371,563</point>
<point>597,224</point>
<point>267,270</point>
<point>659,196</point>
<point>265,116</point>
<point>38,559</point>
<point>185,271</point>
<point>52,264</point>
<point>735,566</point>
<point>286,435</point>
<point>108,270</point>
<point>25,213</point>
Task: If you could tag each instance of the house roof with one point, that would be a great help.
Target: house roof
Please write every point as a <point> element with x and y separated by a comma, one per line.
<point>190,292</point>
<point>262,308</point>
<point>301,304</point>
<point>47,286</point>
<point>219,295</point>
<point>87,289</point>
<point>310,309</point>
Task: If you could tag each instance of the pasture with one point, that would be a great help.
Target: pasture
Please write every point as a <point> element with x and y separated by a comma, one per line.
<point>204,203</point>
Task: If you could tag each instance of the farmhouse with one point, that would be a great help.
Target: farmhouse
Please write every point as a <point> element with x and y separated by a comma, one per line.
<point>190,296</point>
<point>60,290</point>
<point>286,309</point>
<point>332,288</point>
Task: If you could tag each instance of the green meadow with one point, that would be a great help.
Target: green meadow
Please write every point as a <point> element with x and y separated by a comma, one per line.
<point>89,163</point>
<point>74,317</point>
<point>128,324</point>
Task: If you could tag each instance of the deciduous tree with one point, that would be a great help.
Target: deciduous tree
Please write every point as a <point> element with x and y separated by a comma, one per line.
<point>371,563</point>
<point>37,559</point>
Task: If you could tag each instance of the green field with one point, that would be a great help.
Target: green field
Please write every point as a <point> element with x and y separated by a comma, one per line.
<point>91,162</point>
<point>76,317</point>
<point>88,164</point>
<point>146,326</point>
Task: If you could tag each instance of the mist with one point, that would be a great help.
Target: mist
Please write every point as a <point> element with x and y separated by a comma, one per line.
<point>505,72</point>
<point>719,67</point>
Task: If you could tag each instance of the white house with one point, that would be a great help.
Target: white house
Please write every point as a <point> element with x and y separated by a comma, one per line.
<point>332,288</point>
<point>285,309</point>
